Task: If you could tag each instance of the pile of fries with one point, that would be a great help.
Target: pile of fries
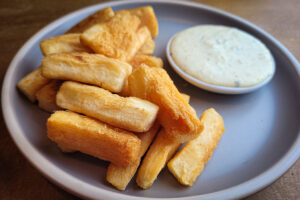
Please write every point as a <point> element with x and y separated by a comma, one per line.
<point>111,99</point>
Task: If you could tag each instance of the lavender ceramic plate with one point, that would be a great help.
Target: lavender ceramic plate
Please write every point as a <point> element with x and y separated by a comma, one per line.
<point>260,143</point>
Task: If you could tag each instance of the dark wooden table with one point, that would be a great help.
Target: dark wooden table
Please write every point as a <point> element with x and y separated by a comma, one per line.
<point>20,19</point>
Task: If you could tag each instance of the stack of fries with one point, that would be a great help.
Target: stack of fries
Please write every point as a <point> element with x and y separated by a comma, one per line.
<point>111,99</point>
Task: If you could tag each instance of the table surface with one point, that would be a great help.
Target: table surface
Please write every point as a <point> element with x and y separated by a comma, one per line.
<point>20,19</point>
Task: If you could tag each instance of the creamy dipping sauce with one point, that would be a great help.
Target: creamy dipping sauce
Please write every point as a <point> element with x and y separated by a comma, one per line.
<point>223,56</point>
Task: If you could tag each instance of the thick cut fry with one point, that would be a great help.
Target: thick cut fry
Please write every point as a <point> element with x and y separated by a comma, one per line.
<point>31,83</point>
<point>46,96</point>
<point>63,44</point>
<point>130,113</point>
<point>158,155</point>
<point>93,69</point>
<point>140,60</point>
<point>121,176</point>
<point>147,48</point>
<point>147,16</point>
<point>185,97</point>
<point>187,165</point>
<point>119,38</point>
<point>84,134</point>
<point>150,61</point>
<point>155,160</point>
<point>175,114</point>
<point>99,17</point>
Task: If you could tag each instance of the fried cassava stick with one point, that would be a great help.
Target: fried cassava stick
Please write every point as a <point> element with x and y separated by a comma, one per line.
<point>189,162</point>
<point>94,69</point>
<point>90,136</point>
<point>121,176</point>
<point>130,113</point>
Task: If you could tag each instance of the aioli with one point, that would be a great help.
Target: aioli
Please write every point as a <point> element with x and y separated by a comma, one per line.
<point>223,56</point>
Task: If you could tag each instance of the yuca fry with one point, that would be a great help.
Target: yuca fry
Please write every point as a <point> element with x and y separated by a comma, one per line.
<point>161,150</point>
<point>118,38</point>
<point>106,14</point>
<point>46,96</point>
<point>31,83</point>
<point>147,16</point>
<point>147,48</point>
<point>156,158</point>
<point>121,176</point>
<point>187,165</point>
<point>175,114</point>
<point>94,69</point>
<point>150,61</point>
<point>90,136</point>
<point>185,97</point>
<point>130,113</point>
<point>138,61</point>
<point>99,17</point>
<point>125,93</point>
<point>63,44</point>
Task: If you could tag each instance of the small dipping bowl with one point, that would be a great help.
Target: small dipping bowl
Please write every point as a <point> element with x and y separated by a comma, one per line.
<point>210,87</point>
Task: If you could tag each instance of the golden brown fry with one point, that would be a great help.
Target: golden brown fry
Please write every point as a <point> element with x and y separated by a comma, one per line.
<point>142,35</point>
<point>31,83</point>
<point>63,44</point>
<point>147,138</point>
<point>46,96</point>
<point>130,113</point>
<point>187,165</point>
<point>119,38</point>
<point>100,16</point>
<point>175,114</point>
<point>150,61</point>
<point>185,97</point>
<point>87,135</point>
<point>147,48</point>
<point>94,69</point>
<point>160,152</point>
<point>121,176</point>
<point>147,16</point>
<point>155,160</point>
<point>140,60</point>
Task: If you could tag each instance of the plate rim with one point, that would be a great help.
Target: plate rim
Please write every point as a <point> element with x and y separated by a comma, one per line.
<point>71,184</point>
